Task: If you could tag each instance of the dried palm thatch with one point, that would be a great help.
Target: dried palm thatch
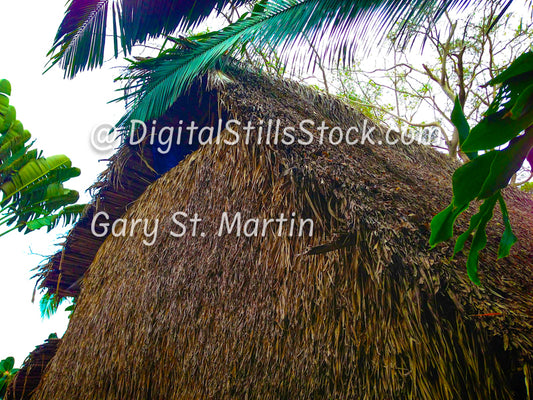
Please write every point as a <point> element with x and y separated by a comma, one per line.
<point>362,309</point>
<point>129,172</point>
<point>29,376</point>
<point>113,193</point>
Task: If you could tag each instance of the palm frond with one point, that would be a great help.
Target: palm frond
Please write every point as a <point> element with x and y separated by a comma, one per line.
<point>68,215</point>
<point>153,85</point>
<point>49,304</point>
<point>80,39</point>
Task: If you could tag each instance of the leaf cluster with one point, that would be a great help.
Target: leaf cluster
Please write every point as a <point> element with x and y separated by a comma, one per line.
<point>33,195</point>
<point>508,120</point>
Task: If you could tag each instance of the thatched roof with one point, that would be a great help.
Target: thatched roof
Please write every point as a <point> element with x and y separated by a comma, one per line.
<point>362,309</point>
<point>28,377</point>
<point>113,193</point>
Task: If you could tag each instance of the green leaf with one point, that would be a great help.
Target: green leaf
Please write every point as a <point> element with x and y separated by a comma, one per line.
<point>4,103</point>
<point>10,117</point>
<point>505,164</point>
<point>68,215</point>
<point>511,112</point>
<point>521,65</point>
<point>5,87</point>
<point>484,210</point>
<point>480,241</point>
<point>495,130</point>
<point>478,223</point>
<point>459,120</point>
<point>17,159</point>
<point>39,223</point>
<point>442,224</point>
<point>468,179</point>
<point>524,103</point>
<point>31,172</point>
<point>13,140</point>
<point>508,238</point>
<point>8,364</point>
<point>260,6</point>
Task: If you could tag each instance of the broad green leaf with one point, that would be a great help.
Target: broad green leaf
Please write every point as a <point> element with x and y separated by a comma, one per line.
<point>478,223</point>
<point>10,116</point>
<point>58,200</point>
<point>42,222</point>
<point>495,130</point>
<point>5,87</point>
<point>13,140</point>
<point>522,65</point>
<point>484,177</point>
<point>442,224</point>
<point>31,185</point>
<point>505,164</point>
<point>31,172</point>
<point>475,221</point>
<point>508,238</point>
<point>37,190</point>
<point>4,103</point>
<point>19,158</point>
<point>468,179</point>
<point>478,243</point>
<point>8,363</point>
<point>68,215</point>
<point>459,120</point>
<point>524,103</point>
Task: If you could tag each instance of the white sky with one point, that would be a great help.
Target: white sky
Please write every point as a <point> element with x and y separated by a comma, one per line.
<point>60,115</point>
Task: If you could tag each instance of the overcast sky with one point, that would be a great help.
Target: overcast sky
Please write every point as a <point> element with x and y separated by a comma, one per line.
<point>60,114</point>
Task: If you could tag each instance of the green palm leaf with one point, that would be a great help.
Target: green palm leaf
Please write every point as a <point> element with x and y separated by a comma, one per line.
<point>68,215</point>
<point>153,85</point>
<point>31,173</point>
<point>32,186</point>
<point>80,39</point>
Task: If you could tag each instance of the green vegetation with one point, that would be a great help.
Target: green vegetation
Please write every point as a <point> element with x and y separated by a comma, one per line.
<point>484,177</point>
<point>32,186</point>
<point>7,373</point>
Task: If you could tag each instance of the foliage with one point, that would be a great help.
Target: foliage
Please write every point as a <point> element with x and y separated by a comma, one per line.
<point>527,187</point>
<point>484,176</point>
<point>460,55</point>
<point>80,39</point>
<point>50,303</point>
<point>32,186</point>
<point>7,373</point>
<point>287,25</point>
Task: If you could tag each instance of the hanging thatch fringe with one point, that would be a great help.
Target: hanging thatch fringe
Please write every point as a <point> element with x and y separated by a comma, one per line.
<point>29,376</point>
